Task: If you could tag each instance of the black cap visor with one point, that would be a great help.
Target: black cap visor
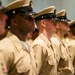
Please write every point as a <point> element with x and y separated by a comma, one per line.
<point>22,10</point>
<point>63,18</point>
<point>50,16</point>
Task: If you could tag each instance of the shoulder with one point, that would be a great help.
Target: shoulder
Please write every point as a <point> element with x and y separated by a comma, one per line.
<point>55,41</point>
<point>6,45</point>
<point>38,40</point>
<point>71,43</point>
<point>5,42</point>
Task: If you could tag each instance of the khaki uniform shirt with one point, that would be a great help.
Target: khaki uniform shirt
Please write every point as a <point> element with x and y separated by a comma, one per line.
<point>17,59</point>
<point>29,42</point>
<point>71,47</point>
<point>3,70</point>
<point>65,66</point>
<point>44,55</point>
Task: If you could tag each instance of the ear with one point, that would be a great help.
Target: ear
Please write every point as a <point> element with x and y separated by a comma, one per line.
<point>43,23</point>
<point>14,22</point>
<point>57,25</point>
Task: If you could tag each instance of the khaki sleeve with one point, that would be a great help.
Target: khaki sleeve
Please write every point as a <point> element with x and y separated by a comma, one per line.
<point>5,61</point>
<point>38,56</point>
<point>3,69</point>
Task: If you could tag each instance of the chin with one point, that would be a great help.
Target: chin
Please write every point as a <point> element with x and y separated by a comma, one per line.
<point>1,33</point>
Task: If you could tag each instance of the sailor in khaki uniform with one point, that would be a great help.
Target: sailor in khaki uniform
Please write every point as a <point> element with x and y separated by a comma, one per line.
<point>3,18</point>
<point>44,53</point>
<point>71,42</point>
<point>65,65</point>
<point>17,58</point>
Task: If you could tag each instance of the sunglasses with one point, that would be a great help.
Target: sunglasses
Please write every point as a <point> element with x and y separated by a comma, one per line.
<point>27,16</point>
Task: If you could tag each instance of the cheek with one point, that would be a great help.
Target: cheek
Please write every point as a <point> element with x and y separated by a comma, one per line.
<point>4,17</point>
<point>21,22</point>
<point>2,30</point>
<point>51,27</point>
<point>66,27</point>
<point>2,24</point>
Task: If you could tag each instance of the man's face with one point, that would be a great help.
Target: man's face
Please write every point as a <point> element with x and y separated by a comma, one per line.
<point>63,26</point>
<point>25,23</point>
<point>3,18</point>
<point>51,26</point>
<point>73,30</point>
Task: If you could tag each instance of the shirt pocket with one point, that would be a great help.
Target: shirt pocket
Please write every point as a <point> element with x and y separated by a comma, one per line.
<point>51,60</point>
<point>24,64</point>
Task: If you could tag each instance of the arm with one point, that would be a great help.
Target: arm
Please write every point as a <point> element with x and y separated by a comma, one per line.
<point>5,61</point>
<point>39,56</point>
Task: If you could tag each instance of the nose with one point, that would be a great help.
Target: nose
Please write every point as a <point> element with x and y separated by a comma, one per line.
<point>5,16</point>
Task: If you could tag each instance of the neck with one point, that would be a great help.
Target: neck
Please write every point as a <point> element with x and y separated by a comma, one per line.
<point>48,35</point>
<point>60,34</point>
<point>20,35</point>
